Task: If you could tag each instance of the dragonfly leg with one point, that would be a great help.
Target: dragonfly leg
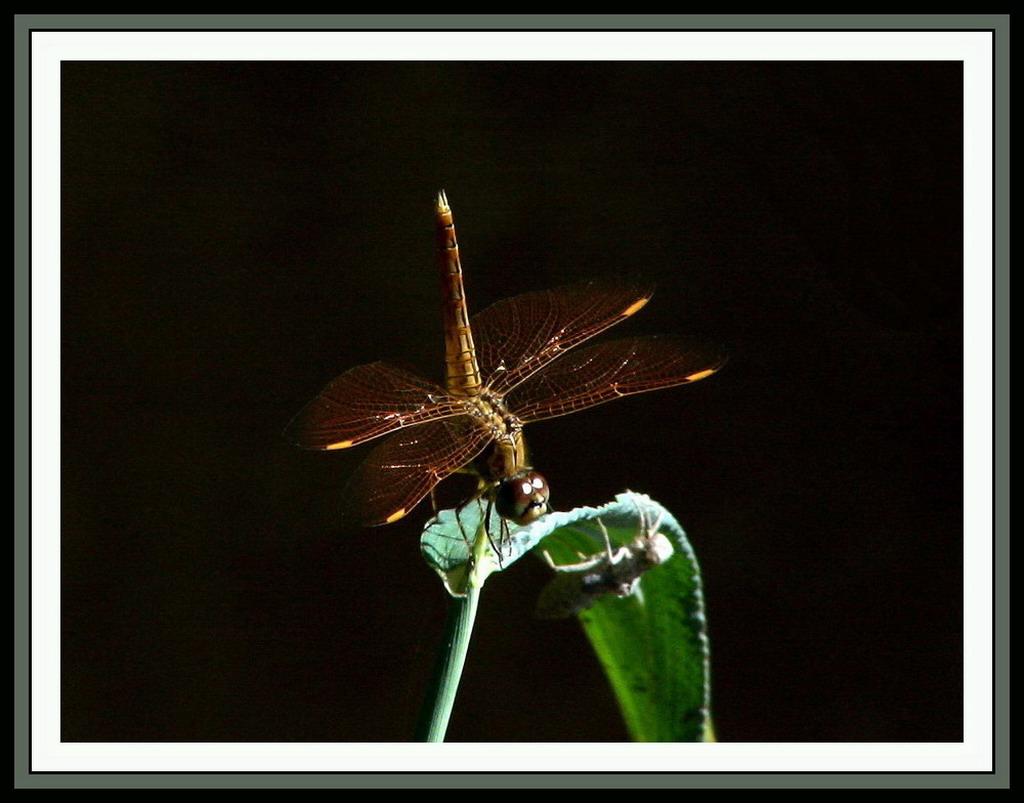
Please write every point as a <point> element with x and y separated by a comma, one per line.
<point>495,548</point>
<point>458,510</point>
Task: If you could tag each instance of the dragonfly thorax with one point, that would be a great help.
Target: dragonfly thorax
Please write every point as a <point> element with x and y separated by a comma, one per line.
<point>503,457</point>
<point>506,453</point>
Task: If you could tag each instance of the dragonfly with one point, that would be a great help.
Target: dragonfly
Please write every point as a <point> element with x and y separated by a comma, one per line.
<point>512,364</point>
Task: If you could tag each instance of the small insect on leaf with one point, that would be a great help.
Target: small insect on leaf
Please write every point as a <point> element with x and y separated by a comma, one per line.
<point>615,571</point>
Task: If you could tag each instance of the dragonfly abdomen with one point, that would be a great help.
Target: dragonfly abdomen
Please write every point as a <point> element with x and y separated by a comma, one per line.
<point>462,372</point>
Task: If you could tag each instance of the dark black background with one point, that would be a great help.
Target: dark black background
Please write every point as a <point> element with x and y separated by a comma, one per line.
<point>237,234</point>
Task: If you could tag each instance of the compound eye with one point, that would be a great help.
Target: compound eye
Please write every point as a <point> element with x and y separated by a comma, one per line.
<point>523,497</point>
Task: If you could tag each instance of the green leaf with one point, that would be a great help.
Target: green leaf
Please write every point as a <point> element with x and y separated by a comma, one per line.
<point>638,595</point>
<point>652,643</point>
<point>464,546</point>
<point>451,547</point>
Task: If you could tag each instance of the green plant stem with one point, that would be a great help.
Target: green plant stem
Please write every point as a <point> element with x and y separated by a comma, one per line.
<point>440,698</point>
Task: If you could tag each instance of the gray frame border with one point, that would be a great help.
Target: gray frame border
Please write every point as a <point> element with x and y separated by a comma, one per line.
<point>26,24</point>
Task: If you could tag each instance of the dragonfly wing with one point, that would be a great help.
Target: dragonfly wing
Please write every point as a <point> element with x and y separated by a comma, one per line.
<point>406,466</point>
<point>611,370</point>
<point>366,402</point>
<point>517,337</point>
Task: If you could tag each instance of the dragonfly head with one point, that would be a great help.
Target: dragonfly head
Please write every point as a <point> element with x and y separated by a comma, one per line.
<point>523,497</point>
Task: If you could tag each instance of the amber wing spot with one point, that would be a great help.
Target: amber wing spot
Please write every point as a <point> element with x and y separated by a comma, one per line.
<point>395,516</point>
<point>340,445</point>
<point>700,374</point>
<point>634,307</point>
